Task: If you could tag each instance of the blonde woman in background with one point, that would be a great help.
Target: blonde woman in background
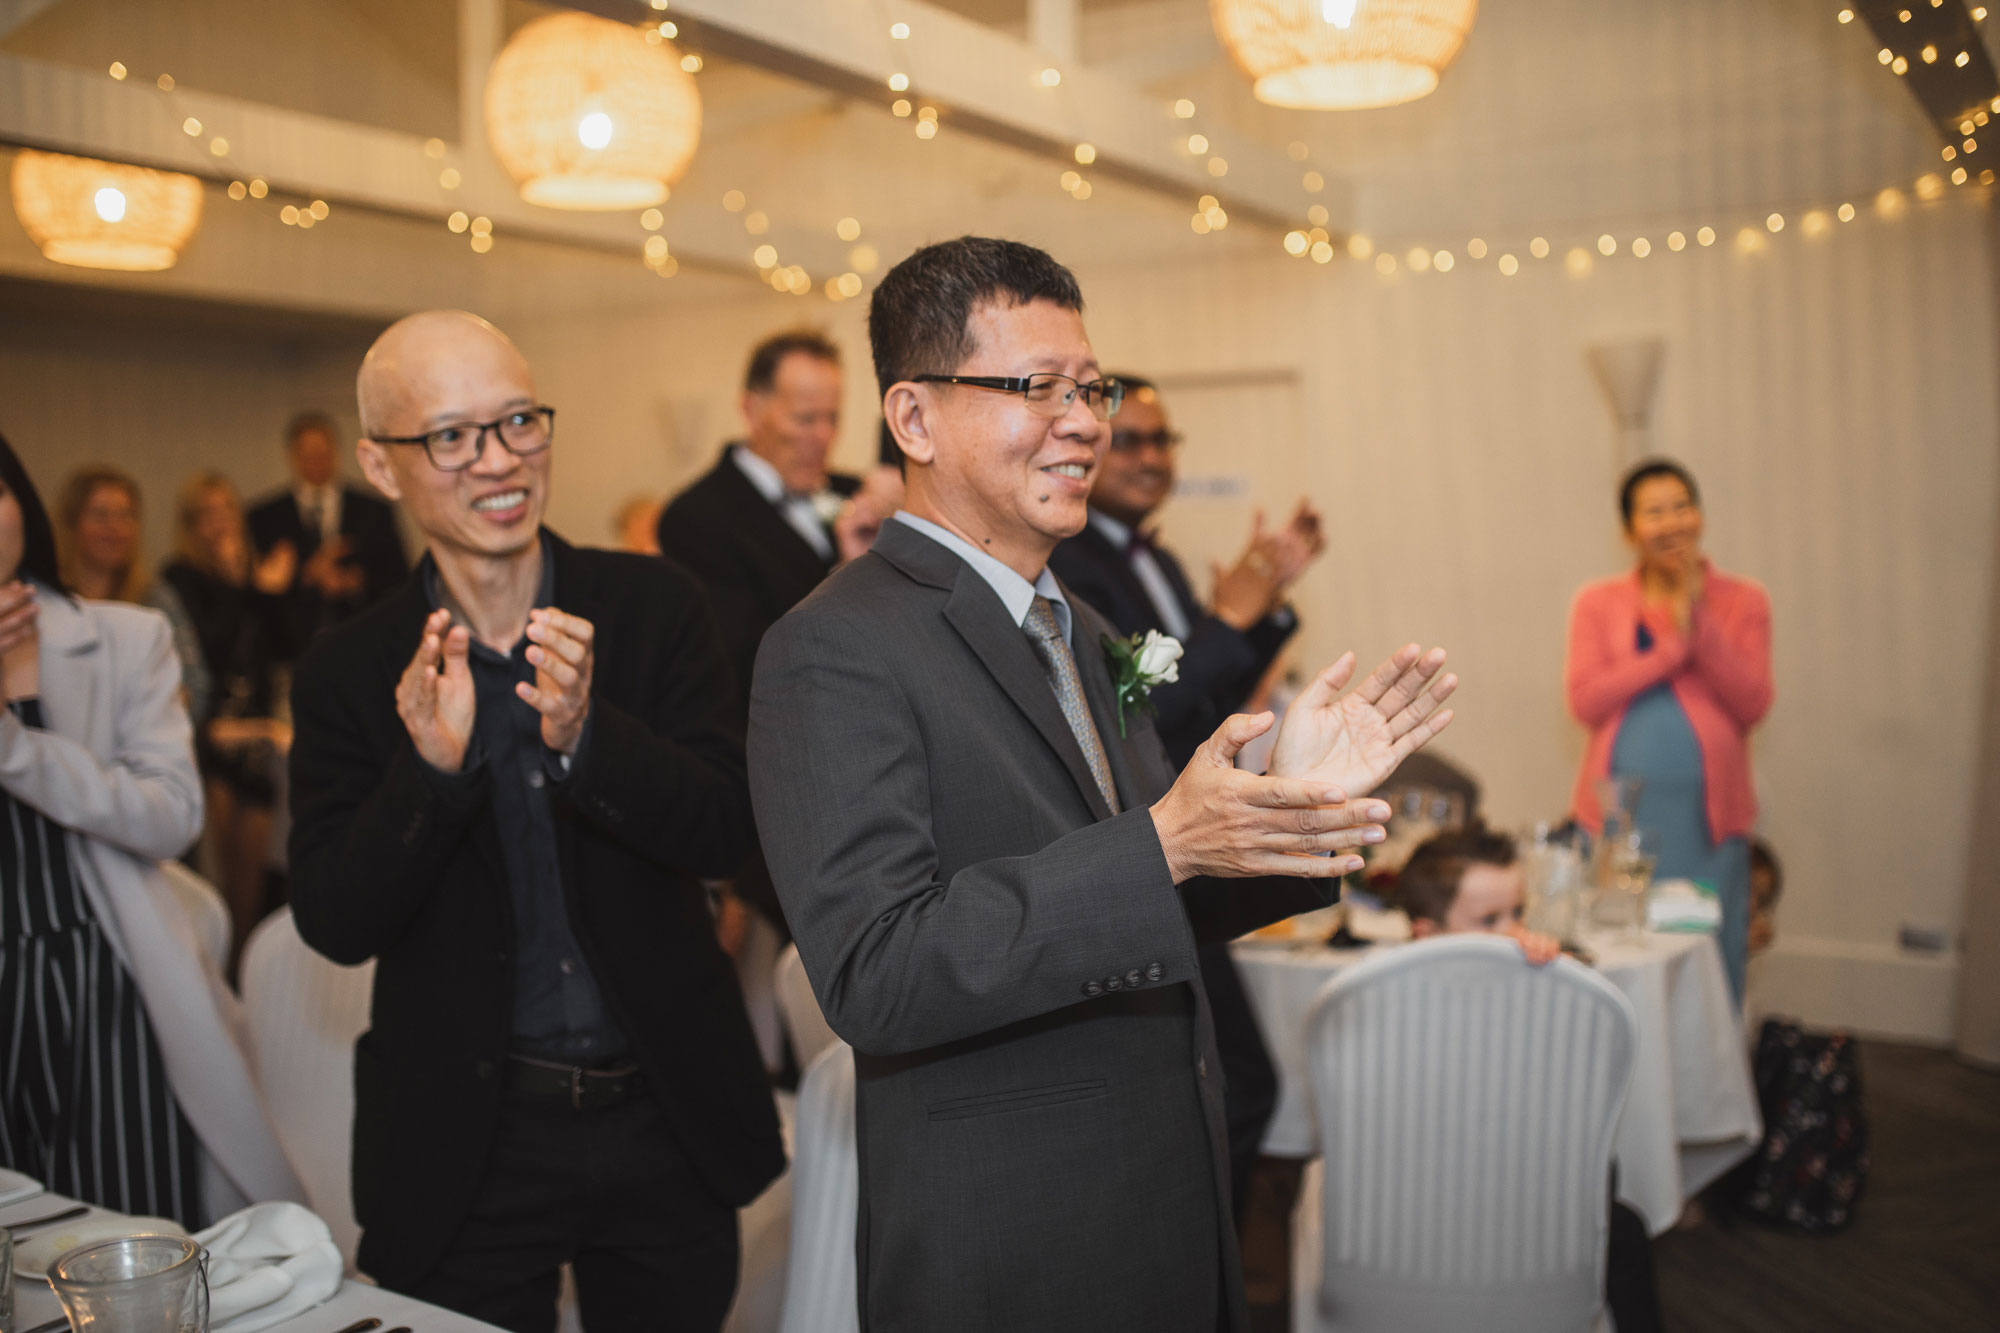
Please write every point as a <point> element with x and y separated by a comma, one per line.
<point>97,535</point>
<point>235,604</point>
<point>97,539</point>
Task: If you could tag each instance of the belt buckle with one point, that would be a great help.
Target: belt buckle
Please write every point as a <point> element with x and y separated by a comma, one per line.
<point>576,1087</point>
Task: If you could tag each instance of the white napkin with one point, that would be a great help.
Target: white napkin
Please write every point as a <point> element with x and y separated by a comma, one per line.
<point>267,1263</point>
<point>1683,905</point>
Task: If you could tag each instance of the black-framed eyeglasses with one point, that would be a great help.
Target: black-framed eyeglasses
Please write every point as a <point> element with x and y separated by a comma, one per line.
<point>1132,441</point>
<point>456,447</point>
<point>1047,394</point>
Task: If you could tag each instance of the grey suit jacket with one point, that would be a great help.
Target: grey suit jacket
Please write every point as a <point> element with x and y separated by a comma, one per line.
<point>1039,1102</point>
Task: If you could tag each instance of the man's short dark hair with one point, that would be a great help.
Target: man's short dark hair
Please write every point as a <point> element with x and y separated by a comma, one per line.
<point>762,372</point>
<point>1428,884</point>
<point>918,318</point>
<point>306,421</point>
<point>1645,471</point>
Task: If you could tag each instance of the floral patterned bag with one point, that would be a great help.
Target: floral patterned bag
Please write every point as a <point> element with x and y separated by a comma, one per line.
<point>1814,1160</point>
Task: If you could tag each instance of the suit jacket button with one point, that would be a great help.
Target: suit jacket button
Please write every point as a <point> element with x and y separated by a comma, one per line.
<point>1201,1066</point>
<point>1092,989</point>
<point>1113,983</point>
<point>1154,972</point>
<point>1132,978</point>
<point>484,1069</point>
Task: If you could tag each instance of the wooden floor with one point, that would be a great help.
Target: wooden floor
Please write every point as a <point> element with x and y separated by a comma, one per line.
<point>1923,1252</point>
<point>1924,1249</point>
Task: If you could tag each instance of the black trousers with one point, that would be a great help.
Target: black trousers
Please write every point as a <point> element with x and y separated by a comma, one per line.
<point>611,1192</point>
<point>1250,1087</point>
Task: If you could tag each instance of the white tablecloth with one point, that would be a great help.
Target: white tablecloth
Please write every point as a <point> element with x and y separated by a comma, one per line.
<point>35,1302</point>
<point>1692,1111</point>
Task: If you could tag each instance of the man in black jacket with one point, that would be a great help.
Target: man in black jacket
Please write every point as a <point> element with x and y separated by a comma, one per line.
<point>506,781</point>
<point>349,553</point>
<point>1116,565</point>
<point>763,526</point>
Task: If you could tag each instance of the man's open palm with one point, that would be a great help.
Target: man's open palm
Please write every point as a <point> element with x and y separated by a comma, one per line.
<point>1355,741</point>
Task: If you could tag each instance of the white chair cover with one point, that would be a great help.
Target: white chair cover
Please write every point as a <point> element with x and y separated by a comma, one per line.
<point>803,1019</point>
<point>1466,1104</point>
<point>304,1014</point>
<point>820,1292</point>
<point>205,909</point>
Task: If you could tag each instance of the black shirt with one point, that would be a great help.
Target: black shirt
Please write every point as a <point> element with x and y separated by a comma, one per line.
<point>559,1014</point>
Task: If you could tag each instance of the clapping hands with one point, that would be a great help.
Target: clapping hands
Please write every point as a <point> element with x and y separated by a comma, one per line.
<point>1355,741</point>
<point>1253,587</point>
<point>435,697</point>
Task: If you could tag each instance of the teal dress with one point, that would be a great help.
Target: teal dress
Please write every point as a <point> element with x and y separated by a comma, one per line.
<point>1657,745</point>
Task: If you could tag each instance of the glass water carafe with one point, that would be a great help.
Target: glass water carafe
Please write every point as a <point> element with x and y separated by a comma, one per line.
<point>135,1284</point>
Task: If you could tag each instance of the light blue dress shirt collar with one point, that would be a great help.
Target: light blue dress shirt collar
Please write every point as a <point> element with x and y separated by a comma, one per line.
<point>1015,593</point>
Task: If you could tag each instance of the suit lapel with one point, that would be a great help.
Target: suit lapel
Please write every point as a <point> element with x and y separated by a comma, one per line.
<point>72,662</point>
<point>1002,647</point>
<point>1087,642</point>
<point>770,532</point>
<point>1177,577</point>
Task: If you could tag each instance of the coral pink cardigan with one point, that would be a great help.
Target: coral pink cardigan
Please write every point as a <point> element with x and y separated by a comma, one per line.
<point>1720,672</point>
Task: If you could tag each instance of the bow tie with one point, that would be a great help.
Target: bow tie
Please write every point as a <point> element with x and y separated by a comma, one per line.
<point>1140,540</point>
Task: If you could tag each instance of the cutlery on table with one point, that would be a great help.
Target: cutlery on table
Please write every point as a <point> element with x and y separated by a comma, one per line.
<point>46,1218</point>
<point>363,1325</point>
<point>49,1327</point>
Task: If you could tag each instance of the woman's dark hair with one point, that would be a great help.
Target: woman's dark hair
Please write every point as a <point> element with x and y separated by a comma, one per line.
<point>38,535</point>
<point>917,318</point>
<point>1427,885</point>
<point>1645,471</point>
<point>1763,858</point>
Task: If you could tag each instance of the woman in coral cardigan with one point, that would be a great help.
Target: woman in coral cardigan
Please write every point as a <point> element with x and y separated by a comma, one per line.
<point>1669,667</point>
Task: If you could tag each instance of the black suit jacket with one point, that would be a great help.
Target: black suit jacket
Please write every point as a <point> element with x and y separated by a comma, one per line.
<point>1220,665</point>
<point>754,564</point>
<point>1039,1112</point>
<point>369,524</point>
<point>387,863</point>
<point>755,567</point>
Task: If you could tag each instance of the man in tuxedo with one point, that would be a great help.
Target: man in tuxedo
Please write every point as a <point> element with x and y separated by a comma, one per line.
<point>1117,566</point>
<point>997,887</point>
<point>763,526</point>
<point>508,779</point>
<point>349,552</point>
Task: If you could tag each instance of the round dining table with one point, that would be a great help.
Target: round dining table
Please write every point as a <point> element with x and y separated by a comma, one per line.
<point>1691,1113</point>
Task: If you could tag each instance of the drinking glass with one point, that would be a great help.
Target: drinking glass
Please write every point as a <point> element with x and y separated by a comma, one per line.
<point>134,1284</point>
<point>1628,877</point>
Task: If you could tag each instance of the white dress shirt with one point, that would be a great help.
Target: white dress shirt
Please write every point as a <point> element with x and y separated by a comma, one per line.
<point>1016,593</point>
<point>797,510</point>
<point>1159,589</point>
<point>321,503</point>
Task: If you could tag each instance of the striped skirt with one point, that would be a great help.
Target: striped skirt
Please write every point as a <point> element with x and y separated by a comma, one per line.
<point>84,1102</point>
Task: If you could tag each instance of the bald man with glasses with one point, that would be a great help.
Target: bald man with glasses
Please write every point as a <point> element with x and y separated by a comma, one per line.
<point>508,781</point>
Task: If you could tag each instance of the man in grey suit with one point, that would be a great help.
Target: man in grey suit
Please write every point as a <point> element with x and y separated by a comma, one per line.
<point>997,881</point>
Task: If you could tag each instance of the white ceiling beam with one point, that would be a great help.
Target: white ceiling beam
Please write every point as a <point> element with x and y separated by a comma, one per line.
<point>988,83</point>
<point>14,13</point>
<point>1052,26</point>
<point>64,109</point>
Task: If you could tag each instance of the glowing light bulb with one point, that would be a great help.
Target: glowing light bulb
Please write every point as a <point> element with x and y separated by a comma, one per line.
<point>110,204</point>
<point>594,131</point>
<point>1340,13</point>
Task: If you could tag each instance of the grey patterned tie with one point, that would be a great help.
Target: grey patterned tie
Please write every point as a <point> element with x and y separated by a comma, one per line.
<point>1047,636</point>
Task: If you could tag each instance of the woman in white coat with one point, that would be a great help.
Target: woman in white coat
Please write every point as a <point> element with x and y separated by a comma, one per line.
<point>121,1078</point>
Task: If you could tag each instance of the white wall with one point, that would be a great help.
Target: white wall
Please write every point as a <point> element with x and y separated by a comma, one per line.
<point>1835,400</point>
<point>163,404</point>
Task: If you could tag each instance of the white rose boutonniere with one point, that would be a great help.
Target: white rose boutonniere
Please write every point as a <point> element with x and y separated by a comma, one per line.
<point>828,504</point>
<point>1137,664</point>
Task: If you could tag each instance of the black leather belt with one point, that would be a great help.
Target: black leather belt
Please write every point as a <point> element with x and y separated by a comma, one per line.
<point>582,1089</point>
